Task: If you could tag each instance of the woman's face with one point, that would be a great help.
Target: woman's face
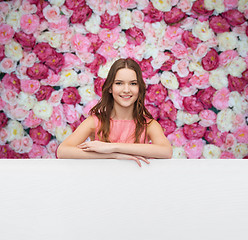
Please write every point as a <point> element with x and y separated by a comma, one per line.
<point>125,88</point>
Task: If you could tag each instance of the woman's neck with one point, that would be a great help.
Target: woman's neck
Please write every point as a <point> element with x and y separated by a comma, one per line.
<point>120,113</point>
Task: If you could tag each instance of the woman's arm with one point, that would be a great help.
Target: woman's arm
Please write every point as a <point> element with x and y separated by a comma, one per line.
<point>160,147</point>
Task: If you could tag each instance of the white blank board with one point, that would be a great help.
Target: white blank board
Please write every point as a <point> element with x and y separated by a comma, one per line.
<point>117,200</point>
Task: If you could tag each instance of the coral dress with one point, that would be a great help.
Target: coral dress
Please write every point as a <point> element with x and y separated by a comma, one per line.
<point>121,131</point>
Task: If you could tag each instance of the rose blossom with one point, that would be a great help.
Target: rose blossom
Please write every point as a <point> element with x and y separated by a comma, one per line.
<point>38,71</point>
<point>3,119</point>
<point>168,126</point>
<point>214,136</point>
<point>55,62</point>
<point>152,14</point>
<point>43,50</point>
<point>156,93</point>
<point>211,60</point>
<point>240,150</point>
<point>7,65</point>
<point>199,8</point>
<point>237,66</point>
<point>236,84</point>
<point>227,56</point>
<point>9,96</point>
<point>229,141</point>
<point>169,80</point>
<point>6,33</point>
<point>194,131</point>
<point>202,31</point>
<point>135,36</point>
<point>211,151</point>
<point>15,130</point>
<point>207,117</point>
<point>162,5</point>
<point>219,24</point>
<point>70,113</point>
<point>194,148</point>
<point>39,135</point>
<point>241,134</point>
<point>147,69</point>
<point>192,104</point>
<point>179,51</point>
<point>81,14</point>
<point>12,82</point>
<point>52,13</point>
<point>227,155</point>
<point>167,65</point>
<point>177,138</point>
<point>109,36</point>
<point>167,110</point>
<point>108,21</point>
<point>107,51</point>
<point>44,92</point>
<point>218,78</point>
<point>175,15</point>
<point>13,50</point>
<point>234,17</point>
<point>71,96</point>
<point>190,40</point>
<point>37,151</point>
<point>29,23</point>
<point>178,153</point>
<point>80,43</point>
<point>221,99</point>
<point>225,120</point>
<point>62,133</point>
<point>61,26</point>
<point>227,41</point>
<point>201,81</point>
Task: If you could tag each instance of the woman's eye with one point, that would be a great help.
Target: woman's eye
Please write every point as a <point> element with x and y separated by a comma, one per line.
<point>118,83</point>
<point>134,83</point>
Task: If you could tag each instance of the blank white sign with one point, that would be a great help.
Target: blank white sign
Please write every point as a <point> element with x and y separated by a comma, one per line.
<point>117,200</point>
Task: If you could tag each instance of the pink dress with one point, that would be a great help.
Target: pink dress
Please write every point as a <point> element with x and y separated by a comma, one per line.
<point>121,131</point>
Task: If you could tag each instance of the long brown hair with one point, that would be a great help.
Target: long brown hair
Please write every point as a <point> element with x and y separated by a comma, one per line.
<point>104,107</point>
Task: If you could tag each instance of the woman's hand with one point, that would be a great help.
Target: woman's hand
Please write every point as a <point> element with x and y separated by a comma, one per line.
<point>137,159</point>
<point>96,146</point>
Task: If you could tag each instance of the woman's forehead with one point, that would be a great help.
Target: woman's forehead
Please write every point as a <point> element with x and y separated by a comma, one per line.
<point>125,74</point>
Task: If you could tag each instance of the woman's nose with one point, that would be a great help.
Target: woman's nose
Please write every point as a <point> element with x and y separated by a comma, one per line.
<point>126,88</point>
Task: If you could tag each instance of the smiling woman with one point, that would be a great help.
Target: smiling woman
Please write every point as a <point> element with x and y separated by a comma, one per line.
<point>120,126</point>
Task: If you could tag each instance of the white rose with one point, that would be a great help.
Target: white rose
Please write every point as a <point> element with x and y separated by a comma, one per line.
<point>54,39</point>
<point>218,79</point>
<point>196,67</point>
<point>14,19</point>
<point>225,120</point>
<point>58,3</point>
<point>87,93</point>
<point>159,60</point>
<point>162,5</point>
<point>151,50</point>
<point>211,151</point>
<point>218,6</point>
<point>236,67</point>
<point>186,118</point>
<point>68,78</point>
<point>227,41</point>
<point>13,50</point>
<point>92,25</point>
<point>104,69</point>
<point>142,4</point>
<point>121,41</point>
<point>242,5</point>
<point>43,110</point>
<point>238,103</point>
<point>62,133</point>
<point>202,31</point>
<point>243,47</point>
<point>26,101</point>
<point>179,153</point>
<point>169,80</point>
<point>125,19</point>
<point>240,150</point>
<point>15,130</point>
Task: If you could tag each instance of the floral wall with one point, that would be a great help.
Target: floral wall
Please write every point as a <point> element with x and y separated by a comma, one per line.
<point>55,56</point>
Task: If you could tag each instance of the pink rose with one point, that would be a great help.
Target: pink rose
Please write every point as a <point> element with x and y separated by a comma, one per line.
<point>74,4</point>
<point>44,93</point>
<point>52,13</point>
<point>6,33</point>
<point>108,51</point>
<point>179,51</point>
<point>127,3</point>
<point>184,81</point>
<point>234,17</point>
<point>31,121</point>
<point>95,65</point>
<point>199,8</point>
<point>229,141</point>
<point>52,79</point>
<point>71,61</point>
<point>156,93</point>
<point>29,23</point>
<point>95,40</point>
<point>7,152</point>
<point>230,4</point>
<point>211,60</point>
<point>30,86</point>
<point>167,65</point>
<point>190,40</point>
<point>52,146</point>
<point>154,110</point>
<point>77,123</point>
<point>152,14</point>
<point>38,71</point>
<point>168,126</point>
<point>219,24</point>
<point>176,98</point>
<point>227,155</point>
<point>29,59</point>
<point>175,15</point>
<point>57,118</point>
<point>208,118</point>
<point>55,62</point>
<point>70,113</point>
<point>167,110</point>
<point>40,136</point>
<point>3,136</point>
<point>192,104</point>
<point>214,136</point>
<point>147,69</point>
<point>40,6</point>
<point>205,96</point>
<point>71,96</point>
<point>98,83</point>
<point>3,120</point>
<point>221,99</point>
<point>177,138</point>
<point>173,33</point>
<point>241,134</point>
<point>43,51</point>
<point>201,81</point>
<point>227,56</point>
<point>194,131</point>
<point>135,36</point>
<point>2,52</point>
<point>109,36</point>
<point>7,65</point>
<point>194,148</point>
<point>80,43</point>
<point>56,97</point>
<point>109,21</point>
<point>236,84</point>
<point>200,51</point>
<point>181,67</point>
<point>37,151</point>
<point>81,14</point>
<point>61,26</point>
<point>11,82</point>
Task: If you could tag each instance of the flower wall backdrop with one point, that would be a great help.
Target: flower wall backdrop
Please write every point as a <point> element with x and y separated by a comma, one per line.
<point>55,56</point>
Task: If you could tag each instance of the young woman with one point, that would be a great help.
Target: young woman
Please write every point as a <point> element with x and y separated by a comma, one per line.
<point>119,126</point>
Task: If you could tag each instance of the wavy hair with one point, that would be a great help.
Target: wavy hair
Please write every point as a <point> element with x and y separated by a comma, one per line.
<point>104,107</point>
